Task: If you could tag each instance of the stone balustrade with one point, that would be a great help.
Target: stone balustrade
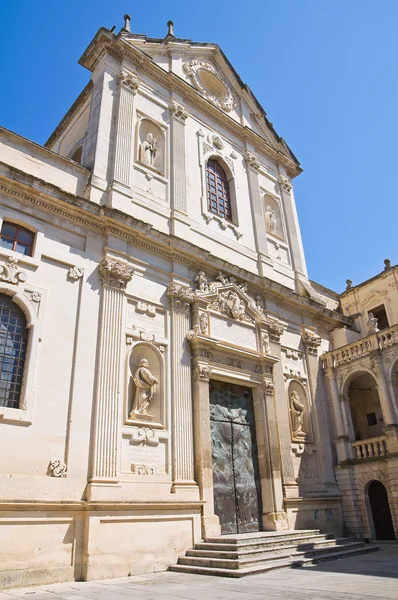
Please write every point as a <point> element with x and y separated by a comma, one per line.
<point>363,347</point>
<point>371,448</point>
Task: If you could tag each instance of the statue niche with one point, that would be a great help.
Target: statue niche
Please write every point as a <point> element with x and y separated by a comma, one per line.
<point>273,218</point>
<point>151,147</point>
<point>145,384</point>
<point>299,413</point>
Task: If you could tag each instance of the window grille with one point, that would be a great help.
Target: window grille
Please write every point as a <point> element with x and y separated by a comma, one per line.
<point>17,238</point>
<point>380,313</point>
<point>13,341</point>
<point>218,197</point>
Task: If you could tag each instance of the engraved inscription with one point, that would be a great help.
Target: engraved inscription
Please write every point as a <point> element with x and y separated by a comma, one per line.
<point>233,332</point>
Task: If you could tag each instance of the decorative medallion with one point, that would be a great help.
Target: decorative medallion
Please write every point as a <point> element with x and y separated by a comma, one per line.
<point>207,81</point>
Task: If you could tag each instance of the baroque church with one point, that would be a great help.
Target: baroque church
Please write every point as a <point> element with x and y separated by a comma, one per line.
<point>169,375</point>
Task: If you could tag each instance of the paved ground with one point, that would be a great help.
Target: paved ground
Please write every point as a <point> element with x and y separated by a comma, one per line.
<point>364,577</point>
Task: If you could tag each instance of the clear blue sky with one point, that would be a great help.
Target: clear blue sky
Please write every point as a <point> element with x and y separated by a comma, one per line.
<point>325,72</point>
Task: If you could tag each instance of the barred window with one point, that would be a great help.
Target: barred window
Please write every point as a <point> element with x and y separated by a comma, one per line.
<point>380,313</point>
<point>13,341</point>
<point>218,196</point>
<point>17,238</point>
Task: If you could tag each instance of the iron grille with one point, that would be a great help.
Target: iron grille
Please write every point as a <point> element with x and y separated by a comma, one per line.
<point>13,341</point>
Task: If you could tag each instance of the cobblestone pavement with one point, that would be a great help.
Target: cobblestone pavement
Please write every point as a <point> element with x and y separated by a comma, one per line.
<point>368,577</point>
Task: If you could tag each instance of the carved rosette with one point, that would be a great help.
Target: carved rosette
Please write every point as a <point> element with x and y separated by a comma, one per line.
<point>203,373</point>
<point>311,341</point>
<point>252,161</point>
<point>115,274</point>
<point>11,273</point>
<point>75,273</point>
<point>178,111</point>
<point>285,184</point>
<point>130,81</point>
<point>180,297</point>
<point>268,387</point>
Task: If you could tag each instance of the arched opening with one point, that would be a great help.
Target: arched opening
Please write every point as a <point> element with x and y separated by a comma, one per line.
<point>218,190</point>
<point>394,381</point>
<point>380,511</point>
<point>13,344</point>
<point>366,413</point>
<point>77,154</point>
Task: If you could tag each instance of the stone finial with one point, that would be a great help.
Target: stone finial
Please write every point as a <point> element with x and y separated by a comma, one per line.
<point>349,284</point>
<point>387,264</point>
<point>127,19</point>
<point>170,32</point>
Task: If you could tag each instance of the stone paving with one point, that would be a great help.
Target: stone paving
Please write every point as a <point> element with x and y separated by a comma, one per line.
<point>369,576</point>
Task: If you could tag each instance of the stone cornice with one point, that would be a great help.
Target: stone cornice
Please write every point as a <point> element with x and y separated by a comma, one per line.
<point>106,42</point>
<point>112,221</point>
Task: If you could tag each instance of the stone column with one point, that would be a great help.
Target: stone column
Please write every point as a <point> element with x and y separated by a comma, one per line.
<point>343,447</point>
<point>181,385</point>
<point>293,228</point>
<point>276,519</point>
<point>179,205</point>
<point>203,449</point>
<point>128,85</point>
<point>387,403</point>
<point>311,343</point>
<point>257,208</point>
<point>115,277</point>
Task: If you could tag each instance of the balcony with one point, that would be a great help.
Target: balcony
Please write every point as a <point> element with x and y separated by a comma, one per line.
<point>371,448</point>
<point>363,347</point>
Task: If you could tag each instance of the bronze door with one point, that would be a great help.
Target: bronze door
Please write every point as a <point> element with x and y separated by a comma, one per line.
<point>236,480</point>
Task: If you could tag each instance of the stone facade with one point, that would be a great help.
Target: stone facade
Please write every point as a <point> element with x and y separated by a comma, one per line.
<point>137,294</point>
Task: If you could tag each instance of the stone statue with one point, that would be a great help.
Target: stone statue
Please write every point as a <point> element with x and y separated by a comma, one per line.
<point>266,344</point>
<point>297,413</point>
<point>202,281</point>
<point>221,278</point>
<point>270,219</point>
<point>204,322</point>
<point>148,150</point>
<point>145,388</point>
<point>372,323</point>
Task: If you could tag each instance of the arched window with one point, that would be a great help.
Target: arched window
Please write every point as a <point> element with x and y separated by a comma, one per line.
<point>13,341</point>
<point>218,195</point>
<point>77,154</point>
<point>17,238</point>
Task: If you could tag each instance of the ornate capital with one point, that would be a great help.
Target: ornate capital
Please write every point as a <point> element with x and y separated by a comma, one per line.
<point>275,330</point>
<point>75,273</point>
<point>11,273</point>
<point>268,387</point>
<point>285,183</point>
<point>252,161</point>
<point>178,111</point>
<point>115,274</point>
<point>203,373</point>
<point>129,80</point>
<point>311,341</point>
<point>181,297</point>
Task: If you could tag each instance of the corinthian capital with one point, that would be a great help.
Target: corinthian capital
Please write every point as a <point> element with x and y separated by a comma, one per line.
<point>252,161</point>
<point>181,297</point>
<point>115,274</point>
<point>311,341</point>
<point>178,111</point>
<point>285,183</point>
<point>129,80</point>
<point>268,387</point>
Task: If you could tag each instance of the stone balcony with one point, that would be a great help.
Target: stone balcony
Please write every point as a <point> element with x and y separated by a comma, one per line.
<point>372,448</point>
<point>362,348</point>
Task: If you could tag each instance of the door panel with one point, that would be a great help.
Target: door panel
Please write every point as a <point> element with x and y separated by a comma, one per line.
<point>236,479</point>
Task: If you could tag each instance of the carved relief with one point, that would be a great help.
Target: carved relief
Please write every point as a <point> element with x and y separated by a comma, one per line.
<point>115,274</point>
<point>203,373</point>
<point>208,82</point>
<point>11,273</point>
<point>145,436</point>
<point>230,304</point>
<point>268,387</point>
<point>75,273</point>
<point>57,468</point>
<point>143,469</point>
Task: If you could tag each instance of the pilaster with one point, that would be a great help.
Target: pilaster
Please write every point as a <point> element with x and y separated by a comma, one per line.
<point>183,459</point>
<point>115,276</point>
<point>293,228</point>
<point>128,86</point>
<point>258,214</point>
<point>343,446</point>
<point>386,402</point>
<point>179,206</point>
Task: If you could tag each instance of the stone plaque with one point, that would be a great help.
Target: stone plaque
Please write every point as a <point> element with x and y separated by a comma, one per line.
<point>144,459</point>
<point>233,332</point>
<point>149,317</point>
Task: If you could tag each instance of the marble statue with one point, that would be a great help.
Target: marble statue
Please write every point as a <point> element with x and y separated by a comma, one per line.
<point>270,219</point>
<point>201,280</point>
<point>145,388</point>
<point>148,150</point>
<point>372,323</point>
<point>297,412</point>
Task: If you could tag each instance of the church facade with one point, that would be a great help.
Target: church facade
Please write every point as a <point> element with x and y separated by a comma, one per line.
<point>168,372</point>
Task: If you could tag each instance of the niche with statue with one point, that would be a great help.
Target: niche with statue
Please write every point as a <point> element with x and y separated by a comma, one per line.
<point>151,145</point>
<point>273,216</point>
<point>145,396</point>
<point>300,418</point>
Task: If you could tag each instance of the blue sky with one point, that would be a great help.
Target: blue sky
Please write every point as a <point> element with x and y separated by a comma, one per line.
<point>324,70</point>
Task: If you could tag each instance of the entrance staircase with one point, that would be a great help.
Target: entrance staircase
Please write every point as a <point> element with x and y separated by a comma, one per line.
<point>251,553</point>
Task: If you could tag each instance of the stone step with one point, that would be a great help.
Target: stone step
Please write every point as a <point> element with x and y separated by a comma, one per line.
<point>249,551</point>
<point>276,564</point>
<point>243,562</point>
<point>245,538</point>
<point>259,543</point>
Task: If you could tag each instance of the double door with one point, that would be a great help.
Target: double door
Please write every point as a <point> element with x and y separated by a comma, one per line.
<point>236,481</point>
